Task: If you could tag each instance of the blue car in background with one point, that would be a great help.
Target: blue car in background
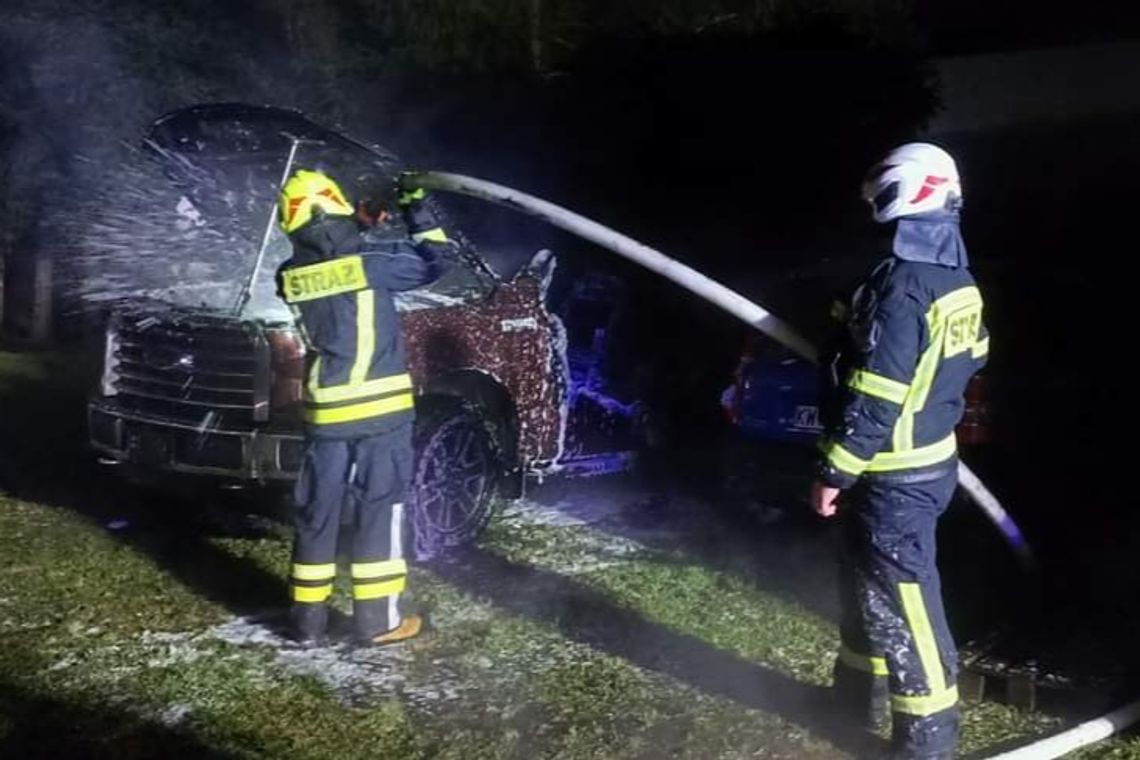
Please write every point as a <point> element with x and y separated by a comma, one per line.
<point>775,397</point>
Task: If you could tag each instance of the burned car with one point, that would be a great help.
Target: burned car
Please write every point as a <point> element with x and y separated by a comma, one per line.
<point>204,378</point>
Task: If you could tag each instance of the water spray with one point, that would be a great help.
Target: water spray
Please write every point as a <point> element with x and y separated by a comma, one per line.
<point>712,291</point>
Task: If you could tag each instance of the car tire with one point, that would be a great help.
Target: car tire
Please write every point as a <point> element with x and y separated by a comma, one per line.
<point>455,477</point>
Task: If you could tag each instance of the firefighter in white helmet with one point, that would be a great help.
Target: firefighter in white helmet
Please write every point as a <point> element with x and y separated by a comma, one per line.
<point>889,464</point>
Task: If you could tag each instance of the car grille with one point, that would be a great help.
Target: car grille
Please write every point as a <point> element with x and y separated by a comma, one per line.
<point>207,370</point>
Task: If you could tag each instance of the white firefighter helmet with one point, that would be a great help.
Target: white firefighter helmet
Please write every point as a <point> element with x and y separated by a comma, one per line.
<point>915,178</point>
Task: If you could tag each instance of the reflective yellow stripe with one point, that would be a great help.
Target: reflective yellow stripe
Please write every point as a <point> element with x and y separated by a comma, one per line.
<point>314,384</point>
<point>876,666</point>
<point>981,348</point>
<point>378,569</point>
<point>314,572</point>
<point>312,594</point>
<point>960,313</point>
<point>843,460</point>
<point>878,386</point>
<point>903,437</point>
<point>924,373</point>
<point>365,591</point>
<point>435,235</point>
<point>954,301</point>
<point>923,706</point>
<point>914,609</point>
<point>328,278</point>
<point>923,456</point>
<point>889,461</point>
<point>962,330</point>
<point>362,411</point>
<point>378,387</point>
<point>365,335</point>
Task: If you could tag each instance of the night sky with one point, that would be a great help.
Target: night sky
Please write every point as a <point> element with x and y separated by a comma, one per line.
<point>976,26</point>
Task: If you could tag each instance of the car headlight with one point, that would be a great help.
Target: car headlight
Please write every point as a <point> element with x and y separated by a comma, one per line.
<point>287,360</point>
<point>108,382</point>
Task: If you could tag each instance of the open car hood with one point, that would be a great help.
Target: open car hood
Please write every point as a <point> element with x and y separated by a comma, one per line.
<point>228,160</point>
<point>215,150</point>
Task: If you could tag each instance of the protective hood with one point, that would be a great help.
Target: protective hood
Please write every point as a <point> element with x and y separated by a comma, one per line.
<point>931,239</point>
<point>325,239</point>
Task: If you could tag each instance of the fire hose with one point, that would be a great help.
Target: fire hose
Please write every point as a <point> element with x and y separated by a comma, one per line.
<point>1081,735</point>
<point>712,291</point>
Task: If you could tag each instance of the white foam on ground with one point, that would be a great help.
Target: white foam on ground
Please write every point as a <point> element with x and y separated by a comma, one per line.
<point>578,543</point>
<point>175,714</point>
<point>577,547</point>
<point>596,530</point>
<point>357,675</point>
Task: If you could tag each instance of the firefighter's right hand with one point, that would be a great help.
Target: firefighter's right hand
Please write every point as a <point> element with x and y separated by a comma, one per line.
<point>823,499</point>
<point>407,190</point>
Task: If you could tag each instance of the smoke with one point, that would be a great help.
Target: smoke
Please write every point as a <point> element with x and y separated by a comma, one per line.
<point>81,81</point>
<point>55,69</point>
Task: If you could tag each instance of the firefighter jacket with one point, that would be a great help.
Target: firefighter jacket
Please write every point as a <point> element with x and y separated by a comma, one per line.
<point>340,285</point>
<point>915,338</point>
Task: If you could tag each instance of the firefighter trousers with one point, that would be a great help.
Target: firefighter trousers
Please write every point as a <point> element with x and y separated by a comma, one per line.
<point>893,628</point>
<point>360,483</point>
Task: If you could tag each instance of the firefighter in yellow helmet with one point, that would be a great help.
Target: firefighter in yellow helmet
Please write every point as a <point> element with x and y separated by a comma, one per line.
<point>358,399</point>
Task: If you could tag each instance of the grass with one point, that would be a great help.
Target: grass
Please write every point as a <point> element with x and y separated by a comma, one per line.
<point>82,628</point>
<point>728,613</point>
<point>548,642</point>
<point>67,574</point>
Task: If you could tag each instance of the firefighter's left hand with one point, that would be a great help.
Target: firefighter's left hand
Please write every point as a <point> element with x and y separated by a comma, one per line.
<point>823,499</point>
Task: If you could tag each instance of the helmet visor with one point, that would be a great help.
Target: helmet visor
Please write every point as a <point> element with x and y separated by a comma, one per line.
<point>885,197</point>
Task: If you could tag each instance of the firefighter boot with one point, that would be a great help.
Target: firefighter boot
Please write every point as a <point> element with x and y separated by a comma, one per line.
<point>410,627</point>
<point>930,737</point>
<point>308,622</point>
<point>861,699</point>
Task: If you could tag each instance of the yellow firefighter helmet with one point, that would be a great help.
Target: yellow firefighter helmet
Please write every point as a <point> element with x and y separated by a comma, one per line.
<point>308,190</point>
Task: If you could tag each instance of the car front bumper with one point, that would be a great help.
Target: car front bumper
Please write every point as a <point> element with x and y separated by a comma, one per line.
<point>164,445</point>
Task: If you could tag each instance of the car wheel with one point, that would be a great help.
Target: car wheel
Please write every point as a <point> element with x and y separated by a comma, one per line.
<point>454,479</point>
